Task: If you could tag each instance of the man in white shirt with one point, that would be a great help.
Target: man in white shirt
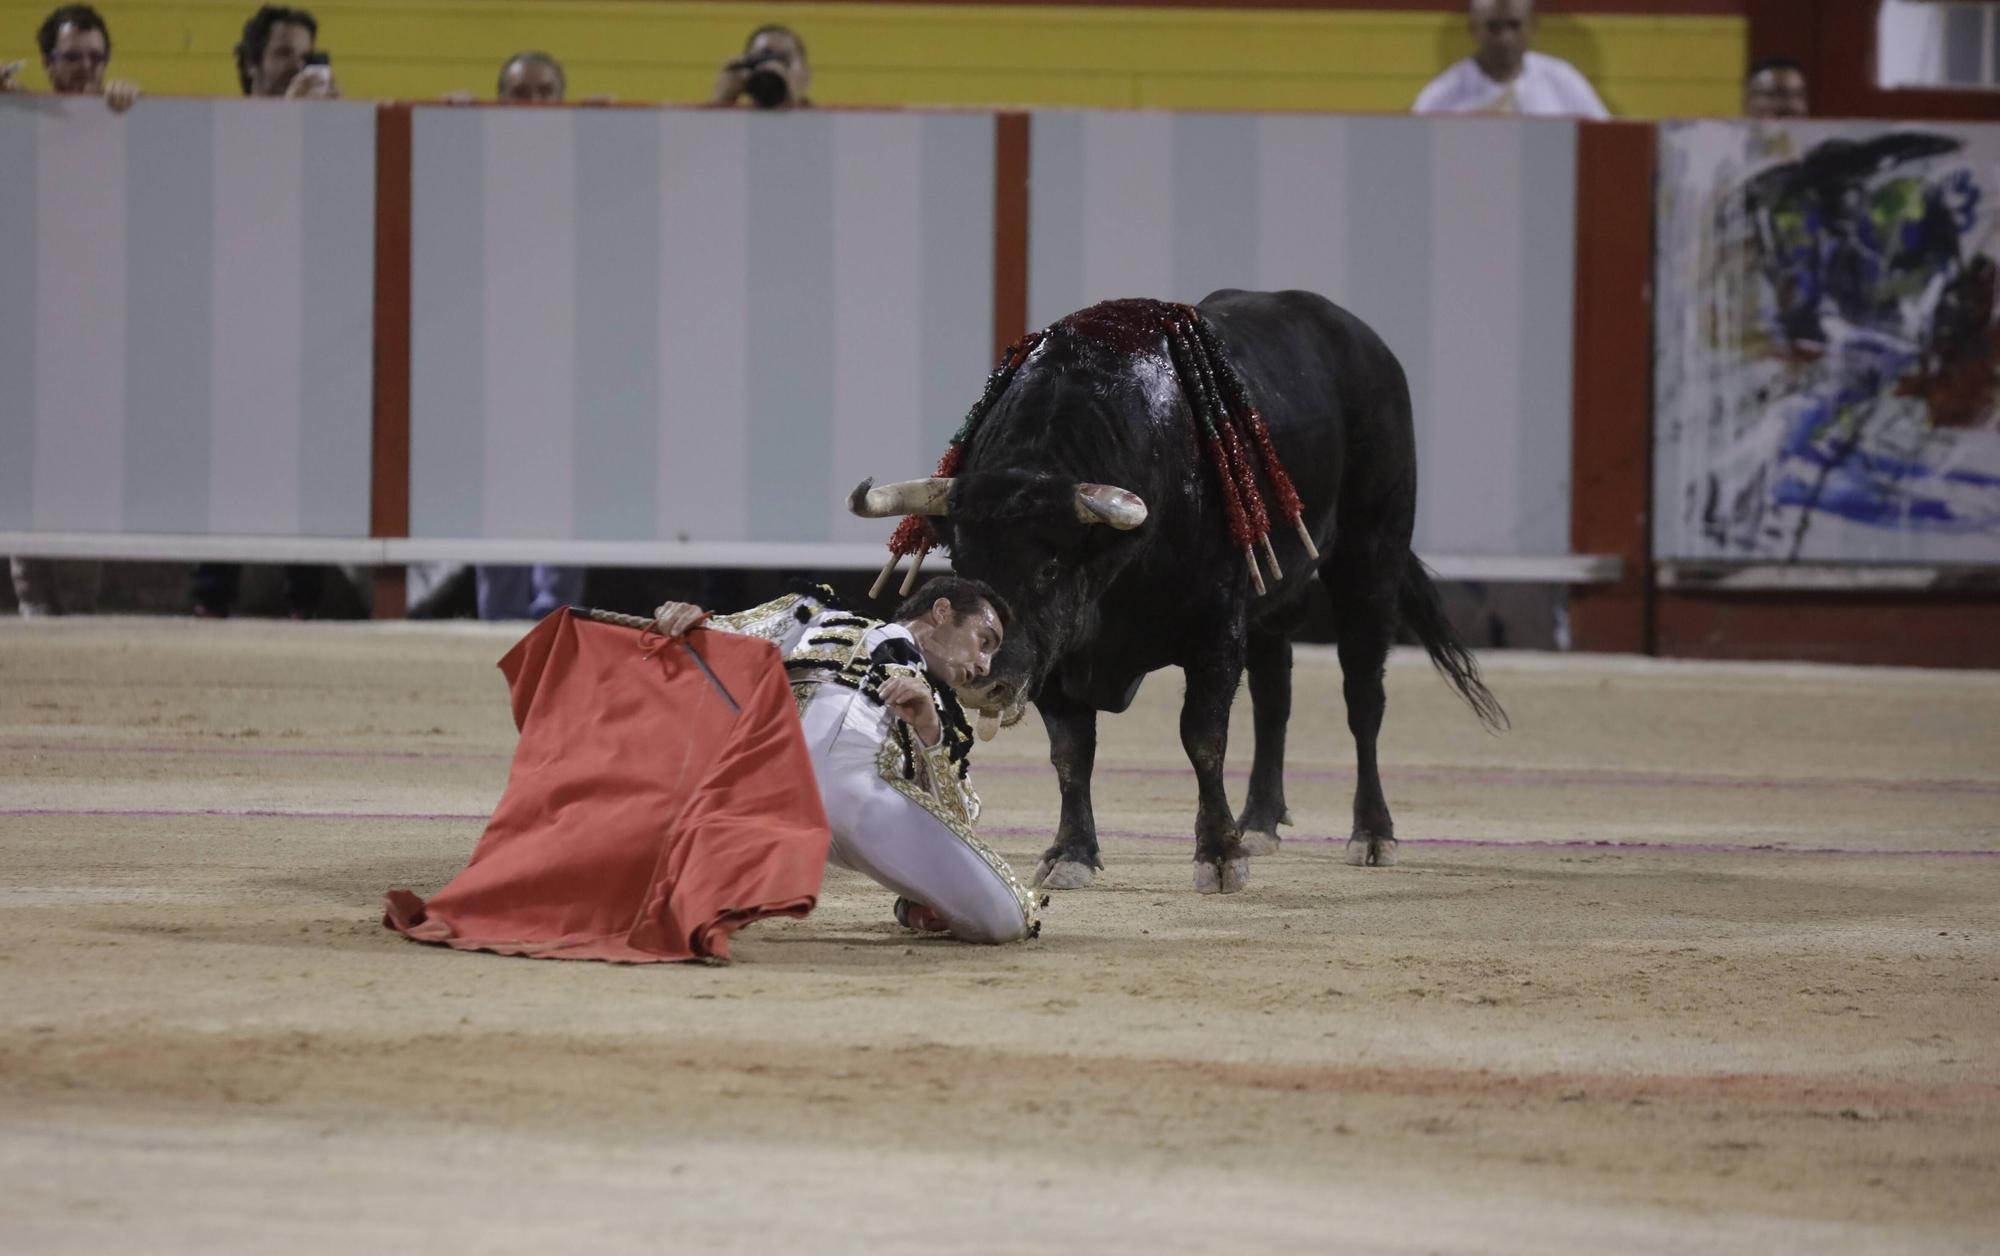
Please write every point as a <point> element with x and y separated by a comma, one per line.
<point>1504,77</point>
<point>1775,88</point>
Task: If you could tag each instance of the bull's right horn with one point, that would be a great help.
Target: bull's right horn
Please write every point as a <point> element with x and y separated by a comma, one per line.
<point>1107,503</point>
<point>905,497</point>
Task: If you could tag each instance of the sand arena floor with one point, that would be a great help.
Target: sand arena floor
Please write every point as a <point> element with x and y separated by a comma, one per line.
<point>1697,958</point>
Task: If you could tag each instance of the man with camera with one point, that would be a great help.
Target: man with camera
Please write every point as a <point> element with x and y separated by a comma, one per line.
<point>277,56</point>
<point>772,72</point>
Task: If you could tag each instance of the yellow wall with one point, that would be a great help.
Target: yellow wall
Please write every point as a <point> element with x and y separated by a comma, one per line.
<point>892,54</point>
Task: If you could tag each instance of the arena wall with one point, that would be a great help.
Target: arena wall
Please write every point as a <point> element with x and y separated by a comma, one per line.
<point>686,334</point>
<point>549,358</point>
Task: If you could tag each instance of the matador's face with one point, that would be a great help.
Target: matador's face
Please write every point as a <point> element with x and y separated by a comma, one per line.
<point>959,648</point>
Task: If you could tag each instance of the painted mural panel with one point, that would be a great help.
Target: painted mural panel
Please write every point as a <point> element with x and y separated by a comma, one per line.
<point>1826,353</point>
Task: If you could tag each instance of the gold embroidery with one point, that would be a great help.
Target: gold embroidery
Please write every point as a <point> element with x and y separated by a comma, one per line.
<point>835,657</point>
<point>953,802</point>
<point>827,655</point>
<point>771,621</point>
<point>835,654</point>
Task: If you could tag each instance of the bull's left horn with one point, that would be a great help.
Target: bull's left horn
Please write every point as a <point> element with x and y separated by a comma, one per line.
<point>1107,503</point>
<point>905,497</point>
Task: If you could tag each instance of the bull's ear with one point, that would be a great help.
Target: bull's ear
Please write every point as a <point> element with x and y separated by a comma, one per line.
<point>905,497</point>
<point>1107,503</point>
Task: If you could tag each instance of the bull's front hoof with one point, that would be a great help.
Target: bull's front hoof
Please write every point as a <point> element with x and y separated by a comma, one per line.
<point>1064,874</point>
<point>1256,843</point>
<point>1371,852</point>
<point>1227,878</point>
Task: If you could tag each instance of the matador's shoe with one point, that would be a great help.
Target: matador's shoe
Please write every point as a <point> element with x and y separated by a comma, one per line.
<point>914,915</point>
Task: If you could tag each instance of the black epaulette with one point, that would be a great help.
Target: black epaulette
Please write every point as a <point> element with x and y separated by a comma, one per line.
<point>957,729</point>
<point>897,650</point>
<point>820,593</point>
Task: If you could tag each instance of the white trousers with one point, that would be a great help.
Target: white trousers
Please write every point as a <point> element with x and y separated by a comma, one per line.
<point>879,832</point>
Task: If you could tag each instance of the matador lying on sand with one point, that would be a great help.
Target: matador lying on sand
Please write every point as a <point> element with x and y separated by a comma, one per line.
<point>678,779</point>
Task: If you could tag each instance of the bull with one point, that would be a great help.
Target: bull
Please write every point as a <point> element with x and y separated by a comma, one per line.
<point>1086,496</point>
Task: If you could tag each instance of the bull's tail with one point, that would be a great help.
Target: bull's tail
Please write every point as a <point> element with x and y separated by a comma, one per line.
<point>1424,614</point>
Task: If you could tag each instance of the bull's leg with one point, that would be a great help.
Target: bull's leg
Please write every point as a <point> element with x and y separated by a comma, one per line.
<point>1270,665</point>
<point>1364,582</point>
<point>1220,863</point>
<point>1072,862</point>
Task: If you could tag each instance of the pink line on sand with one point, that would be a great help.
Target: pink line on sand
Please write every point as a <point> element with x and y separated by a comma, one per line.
<point>1696,848</point>
<point>1584,777</point>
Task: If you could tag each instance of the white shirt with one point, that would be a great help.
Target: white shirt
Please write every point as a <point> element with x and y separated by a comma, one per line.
<point>1545,86</point>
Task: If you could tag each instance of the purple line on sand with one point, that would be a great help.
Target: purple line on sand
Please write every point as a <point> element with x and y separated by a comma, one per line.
<point>1573,777</point>
<point>1692,848</point>
<point>1587,777</point>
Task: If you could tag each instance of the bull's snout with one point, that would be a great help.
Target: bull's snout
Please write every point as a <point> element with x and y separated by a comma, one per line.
<point>1002,697</point>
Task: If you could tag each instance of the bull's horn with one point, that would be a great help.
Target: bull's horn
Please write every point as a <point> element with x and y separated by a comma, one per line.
<point>1107,503</point>
<point>905,497</point>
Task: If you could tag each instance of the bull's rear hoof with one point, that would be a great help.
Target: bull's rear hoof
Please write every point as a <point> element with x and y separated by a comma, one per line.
<point>1232,876</point>
<point>1371,852</point>
<point>1064,874</point>
<point>1256,843</point>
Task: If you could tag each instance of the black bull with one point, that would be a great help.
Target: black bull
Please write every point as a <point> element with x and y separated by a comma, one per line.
<point>1098,607</point>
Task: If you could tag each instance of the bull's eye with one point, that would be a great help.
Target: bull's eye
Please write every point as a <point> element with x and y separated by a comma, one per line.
<point>1049,572</point>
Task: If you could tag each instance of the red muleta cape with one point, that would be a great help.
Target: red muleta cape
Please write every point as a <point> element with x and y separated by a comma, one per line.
<point>644,819</point>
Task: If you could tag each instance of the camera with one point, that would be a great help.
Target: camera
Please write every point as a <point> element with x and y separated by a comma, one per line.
<point>317,71</point>
<point>767,84</point>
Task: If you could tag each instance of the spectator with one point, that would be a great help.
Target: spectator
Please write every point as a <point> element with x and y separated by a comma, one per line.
<point>1502,76</point>
<point>514,592</point>
<point>1775,88</point>
<point>773,71</point>
<point>278,45</point>
<point>213,588</point>
<point>529,78</point>
<point>43,587</point>
<point>532,78</point>
<point>76,51</point>
<point>527,592</point>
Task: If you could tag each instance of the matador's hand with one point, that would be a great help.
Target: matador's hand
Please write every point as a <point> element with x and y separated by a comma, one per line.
<point>910,699</point>
<point>674,619</point>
